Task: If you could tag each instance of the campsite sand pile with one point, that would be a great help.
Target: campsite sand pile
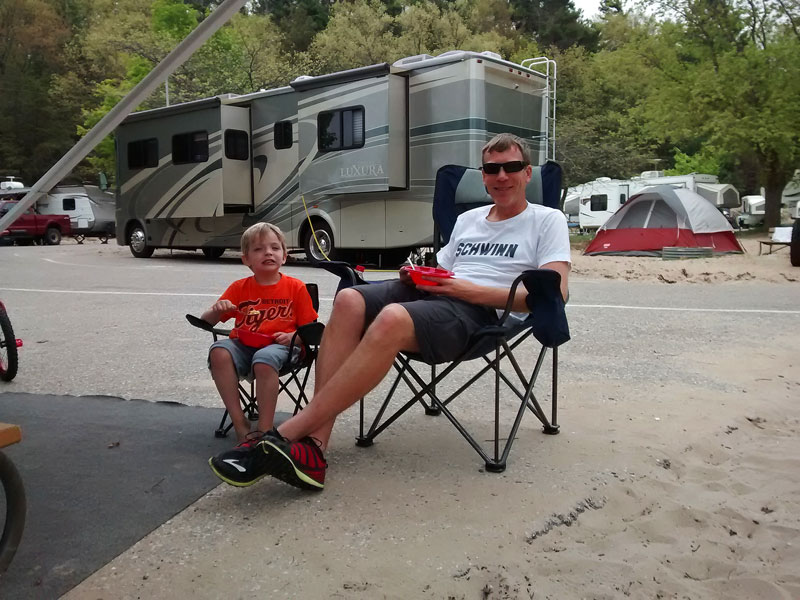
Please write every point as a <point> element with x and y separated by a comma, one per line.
<point>773,268</point>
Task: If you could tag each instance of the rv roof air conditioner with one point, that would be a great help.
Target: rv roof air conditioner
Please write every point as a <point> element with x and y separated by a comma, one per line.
<point>408,60</point>
<point>302,78</point>
<point>650,174</point>
<point>491,54</point>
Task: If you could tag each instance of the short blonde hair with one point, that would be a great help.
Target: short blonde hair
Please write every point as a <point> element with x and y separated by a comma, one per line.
<point>254,232</point>
<point>503,141</point>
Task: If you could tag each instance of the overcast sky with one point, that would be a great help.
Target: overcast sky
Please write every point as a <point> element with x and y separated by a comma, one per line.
<point>588,7</point>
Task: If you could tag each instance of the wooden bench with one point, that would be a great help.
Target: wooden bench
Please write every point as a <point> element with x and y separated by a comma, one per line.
<point>771,245</point>
<point>9,434</point>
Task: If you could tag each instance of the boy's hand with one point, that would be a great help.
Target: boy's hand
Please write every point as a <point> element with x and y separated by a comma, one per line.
<point>283,338</point>
<point>222,306</point>
<point>215,312</point>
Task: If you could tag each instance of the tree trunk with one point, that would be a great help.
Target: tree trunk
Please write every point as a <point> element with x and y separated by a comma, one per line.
<point>777,178</point>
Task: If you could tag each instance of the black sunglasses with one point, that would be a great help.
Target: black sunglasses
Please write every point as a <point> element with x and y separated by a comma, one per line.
<point>513,166</point>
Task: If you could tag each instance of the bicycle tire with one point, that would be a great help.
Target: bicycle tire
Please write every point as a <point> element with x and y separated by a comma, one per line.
<point>16,508</point>
<point>8,368</point>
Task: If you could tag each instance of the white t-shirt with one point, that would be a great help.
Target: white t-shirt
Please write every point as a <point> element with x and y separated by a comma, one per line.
<point>494,253</point>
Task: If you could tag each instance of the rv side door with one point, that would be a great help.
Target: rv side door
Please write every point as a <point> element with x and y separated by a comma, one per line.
<point>237,171</point>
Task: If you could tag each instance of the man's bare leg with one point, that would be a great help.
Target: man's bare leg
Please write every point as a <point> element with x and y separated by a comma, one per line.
<point>358,372</point>
<point>340,338</point>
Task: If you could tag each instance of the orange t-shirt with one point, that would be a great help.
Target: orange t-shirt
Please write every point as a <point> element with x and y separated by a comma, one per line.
<point>269,309</point>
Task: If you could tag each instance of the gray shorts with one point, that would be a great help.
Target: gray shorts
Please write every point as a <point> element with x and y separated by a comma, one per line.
<point>443,326</point>
<point>244,357</point>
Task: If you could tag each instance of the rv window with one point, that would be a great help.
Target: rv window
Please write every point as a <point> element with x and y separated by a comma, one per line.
<point>68,204</point>
<point>143,154</point>
<point>341,129</point>
<point>622,199</point>
<point>599,202</point>
<point>237,144</point>
<point>190,147</point>
<point>283,135</point>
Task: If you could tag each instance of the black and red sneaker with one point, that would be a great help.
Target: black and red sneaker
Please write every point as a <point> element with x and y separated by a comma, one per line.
<point>300,463</point>
<point>243,465</point>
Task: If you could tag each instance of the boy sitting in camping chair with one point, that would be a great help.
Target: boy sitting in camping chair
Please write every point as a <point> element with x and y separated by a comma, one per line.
<point>371,324</point>
<point>268,307</point>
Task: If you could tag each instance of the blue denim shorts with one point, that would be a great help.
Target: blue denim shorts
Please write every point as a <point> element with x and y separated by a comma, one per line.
<point>244,357</point>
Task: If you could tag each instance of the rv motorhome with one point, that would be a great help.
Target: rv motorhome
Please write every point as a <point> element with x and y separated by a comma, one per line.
<point>353,154</point>
<point>599,199</point>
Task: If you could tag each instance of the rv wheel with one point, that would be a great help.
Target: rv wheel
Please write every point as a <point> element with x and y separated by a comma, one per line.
<point>794,245</point>
<point>321,249</point>
<point>52,236</point>
<point>137,240</point>
<point>213,253</point>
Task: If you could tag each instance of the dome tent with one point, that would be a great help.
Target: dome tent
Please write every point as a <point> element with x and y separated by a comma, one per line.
<point>660,217</point>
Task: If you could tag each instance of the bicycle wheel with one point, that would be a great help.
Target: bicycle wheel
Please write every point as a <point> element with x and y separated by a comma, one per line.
<point>12,511</point>
<point>8,348</point>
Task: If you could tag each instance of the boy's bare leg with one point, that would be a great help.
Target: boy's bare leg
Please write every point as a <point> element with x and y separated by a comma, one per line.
<point>227,381</point>
<point>266,395</point>
<point>361,370</point>
<point>340,338</point>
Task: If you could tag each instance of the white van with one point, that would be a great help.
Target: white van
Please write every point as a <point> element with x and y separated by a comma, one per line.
<point>91,211</point>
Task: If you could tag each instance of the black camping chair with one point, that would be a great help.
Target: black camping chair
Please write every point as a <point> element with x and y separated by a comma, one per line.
<point>293,377</point>
<point>459,189</point>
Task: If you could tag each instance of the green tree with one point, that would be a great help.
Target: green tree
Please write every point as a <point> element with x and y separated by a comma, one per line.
<point>553,23</point>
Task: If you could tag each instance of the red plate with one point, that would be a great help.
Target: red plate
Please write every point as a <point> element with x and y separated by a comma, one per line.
<point>255,340</point>
<point>417,274</point>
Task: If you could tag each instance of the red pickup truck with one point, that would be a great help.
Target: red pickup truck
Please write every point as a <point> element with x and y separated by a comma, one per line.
<point>33,227</point>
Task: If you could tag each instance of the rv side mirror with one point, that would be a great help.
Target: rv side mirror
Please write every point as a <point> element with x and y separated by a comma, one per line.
<point>103,181</point>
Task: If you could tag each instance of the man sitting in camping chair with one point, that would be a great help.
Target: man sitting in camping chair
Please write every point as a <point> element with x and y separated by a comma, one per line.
<point>371,324</point>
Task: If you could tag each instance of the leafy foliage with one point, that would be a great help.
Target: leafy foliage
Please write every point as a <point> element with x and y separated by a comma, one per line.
<point>687,85</point>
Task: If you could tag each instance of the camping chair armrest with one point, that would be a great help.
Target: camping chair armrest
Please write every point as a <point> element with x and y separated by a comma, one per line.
<point>310,334</point>
<point>343,271</point>
<point>512,294</point>
<point>206,326</point>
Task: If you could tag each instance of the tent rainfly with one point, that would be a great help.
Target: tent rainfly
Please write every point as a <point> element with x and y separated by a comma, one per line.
<point>663,217</point>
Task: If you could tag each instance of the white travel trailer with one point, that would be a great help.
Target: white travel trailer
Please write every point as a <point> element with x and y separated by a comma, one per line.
<point>91,211</point>
<point>354,154</point>
<point>753,212</point>
<point>599,199</point>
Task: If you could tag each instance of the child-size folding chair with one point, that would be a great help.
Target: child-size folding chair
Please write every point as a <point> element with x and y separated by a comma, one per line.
<point>292,378</point>
<point>458,189</point>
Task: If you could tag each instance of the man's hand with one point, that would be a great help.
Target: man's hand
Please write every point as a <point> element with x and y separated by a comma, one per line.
<point>494,297</point>
<point>452,287</point>
<point>406,278</point>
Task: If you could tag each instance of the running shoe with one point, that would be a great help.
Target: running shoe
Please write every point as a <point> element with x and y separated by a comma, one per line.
<point>300,463</point>
<point>243,465</point>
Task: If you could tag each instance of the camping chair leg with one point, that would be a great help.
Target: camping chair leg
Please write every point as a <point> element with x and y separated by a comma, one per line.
<point>222,430</point>
<point>402,365</point>
<point>362,440</point>
<point>553,427</point>
<point>430,409</point>
<point>367,440</point>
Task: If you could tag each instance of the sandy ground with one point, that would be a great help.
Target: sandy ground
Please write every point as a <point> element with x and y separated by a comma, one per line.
<point>680,482</point>
<point>750,266</point>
